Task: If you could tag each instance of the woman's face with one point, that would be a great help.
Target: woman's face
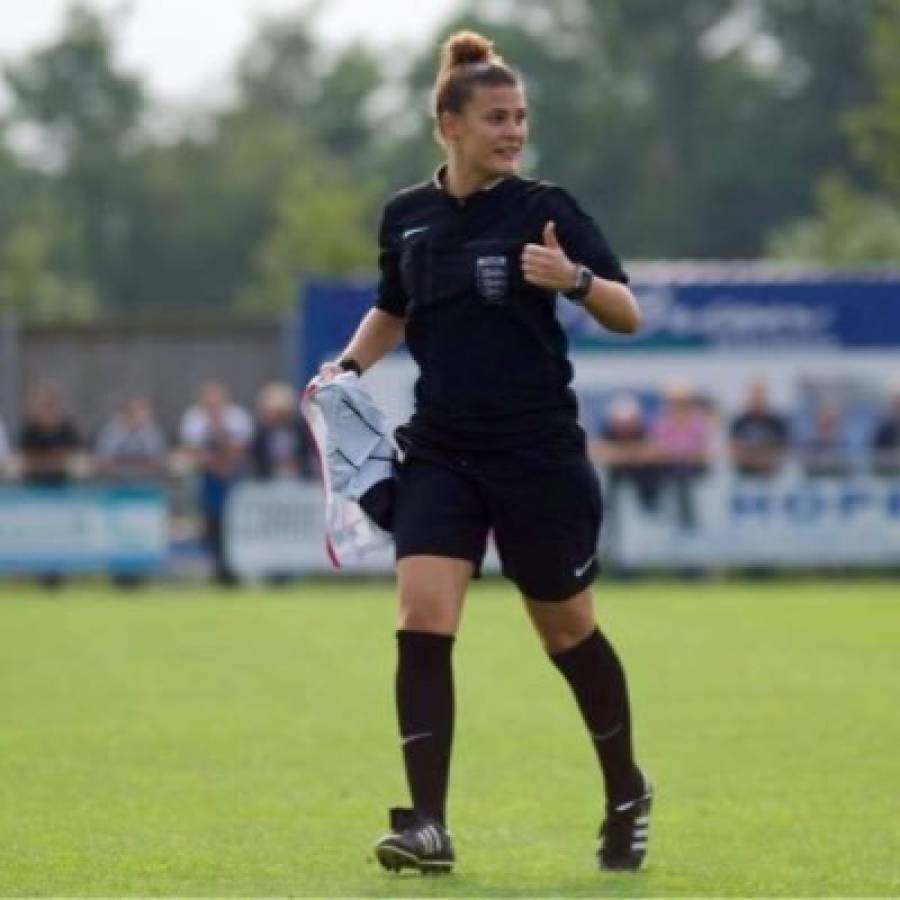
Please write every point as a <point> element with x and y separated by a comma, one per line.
<point>489,134</point>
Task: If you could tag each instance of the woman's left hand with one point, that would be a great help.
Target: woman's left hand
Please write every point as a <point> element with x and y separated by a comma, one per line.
<point>546,265</point>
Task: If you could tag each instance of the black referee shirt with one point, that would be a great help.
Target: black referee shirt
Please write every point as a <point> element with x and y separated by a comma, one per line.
<point>493,359</point>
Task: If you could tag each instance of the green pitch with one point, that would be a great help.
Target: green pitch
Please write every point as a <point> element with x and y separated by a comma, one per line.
<point>191,742</point>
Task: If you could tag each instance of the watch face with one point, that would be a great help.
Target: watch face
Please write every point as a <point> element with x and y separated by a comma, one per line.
<point>583,280</point>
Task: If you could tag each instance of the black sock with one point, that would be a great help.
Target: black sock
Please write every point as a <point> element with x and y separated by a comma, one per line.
<point>425,714</point>
<point>598,681</point>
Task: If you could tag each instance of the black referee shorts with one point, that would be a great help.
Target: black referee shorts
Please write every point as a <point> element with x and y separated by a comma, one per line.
<point>546,523</point>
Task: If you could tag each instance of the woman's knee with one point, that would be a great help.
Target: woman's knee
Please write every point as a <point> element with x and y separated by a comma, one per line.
<point>565,624</point>
<point>427,610</point>
<point>431,593</point>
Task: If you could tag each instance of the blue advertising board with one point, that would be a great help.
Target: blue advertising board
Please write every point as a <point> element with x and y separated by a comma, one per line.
<point>329,314</point>
<point>83,529</point>
<point>834,314</point>
<point>827,311</point>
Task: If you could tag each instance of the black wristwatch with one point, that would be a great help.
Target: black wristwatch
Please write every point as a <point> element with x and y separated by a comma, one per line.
<point>349,364</point>
<point>584,280</point>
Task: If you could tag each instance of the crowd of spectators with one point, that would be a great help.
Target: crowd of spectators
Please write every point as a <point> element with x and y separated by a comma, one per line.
<point>665,444</point>
<point>660,445</point>
<point>217,443</point>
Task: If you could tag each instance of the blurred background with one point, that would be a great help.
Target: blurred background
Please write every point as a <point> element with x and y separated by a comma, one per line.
<point>188,204</point>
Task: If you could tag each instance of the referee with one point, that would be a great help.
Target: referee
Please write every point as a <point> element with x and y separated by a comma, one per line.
<point>472,263</point>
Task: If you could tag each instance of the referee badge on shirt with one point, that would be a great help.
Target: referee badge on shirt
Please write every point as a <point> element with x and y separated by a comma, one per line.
<point>492,278</point>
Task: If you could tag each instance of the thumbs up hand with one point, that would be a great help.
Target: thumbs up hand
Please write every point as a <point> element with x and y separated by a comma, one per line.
<point>546,265</point>
<point>550,239</point>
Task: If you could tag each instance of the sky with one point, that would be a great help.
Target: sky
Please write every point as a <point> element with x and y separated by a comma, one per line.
<point>185,48</point>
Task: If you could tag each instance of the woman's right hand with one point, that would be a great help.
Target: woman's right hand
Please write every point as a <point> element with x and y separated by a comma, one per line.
<point>329,370</point>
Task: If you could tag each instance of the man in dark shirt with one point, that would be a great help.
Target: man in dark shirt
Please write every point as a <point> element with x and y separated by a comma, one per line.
<point>886,441</point>
<point>759,436</point>
<point>623,449</point>
<point>825,451</point>
<point>49,443</point>
<point>280,447</point>
<point>49,440</point>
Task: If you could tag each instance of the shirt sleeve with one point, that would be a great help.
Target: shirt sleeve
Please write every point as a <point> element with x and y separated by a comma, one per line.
<point>582,238</point>
<point>390,296</point>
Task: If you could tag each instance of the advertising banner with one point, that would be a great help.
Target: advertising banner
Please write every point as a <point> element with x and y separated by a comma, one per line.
<point>824,347</point>
<point>784,522</point>
<point>277,528</point>
<point>83,529</point>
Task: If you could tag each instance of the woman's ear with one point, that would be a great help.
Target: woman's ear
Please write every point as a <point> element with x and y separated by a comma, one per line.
<point>447,127</point>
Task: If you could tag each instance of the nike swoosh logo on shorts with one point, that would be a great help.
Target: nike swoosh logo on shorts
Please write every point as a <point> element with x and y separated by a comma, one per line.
<point>411,231</point>
<point>582,569</point>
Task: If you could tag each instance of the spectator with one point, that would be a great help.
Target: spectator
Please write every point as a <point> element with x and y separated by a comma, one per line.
<point>131,445</point>
<point>5,453</point>
<point>49,445</point>
<point>623,449</point>
<point>280,448</point>
<point>759,436</point>
<point>886,441</point>
<point>217,434</point>
<point>680,441</point>
<point>826,452</point>
<point>49,442</point>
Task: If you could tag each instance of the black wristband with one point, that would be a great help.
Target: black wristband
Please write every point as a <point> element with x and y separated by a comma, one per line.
<point>584,281</point>
<point>349,364</point>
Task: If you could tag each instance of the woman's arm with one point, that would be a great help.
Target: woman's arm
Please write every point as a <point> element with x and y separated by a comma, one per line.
<point>610,303</point>
<point>377,334</point>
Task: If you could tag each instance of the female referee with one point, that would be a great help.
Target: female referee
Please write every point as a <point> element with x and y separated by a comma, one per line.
<point>472,263</point>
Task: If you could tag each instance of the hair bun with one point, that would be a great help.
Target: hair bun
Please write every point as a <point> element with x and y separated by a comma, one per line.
<point>467,47</point>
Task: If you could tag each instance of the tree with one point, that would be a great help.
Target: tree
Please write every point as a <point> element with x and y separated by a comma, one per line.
<point>857,220</point>
<point>658,114</point>
<point>285,75</point>
<point>227,219</point>
<point>325,225</point>
<point>876,128</point>
<point>85,116</point>
<point>851,228</point>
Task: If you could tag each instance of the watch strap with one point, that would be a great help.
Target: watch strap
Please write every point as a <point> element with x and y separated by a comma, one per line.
<point>584,280</point>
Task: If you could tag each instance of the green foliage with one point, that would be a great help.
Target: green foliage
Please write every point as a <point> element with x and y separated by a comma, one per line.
<point>852,228</point>
<point>29,284</point>
<point>323,226</point>
<point>876,129</point>
<point>86,110</point>
<point>84,116</point>
<point>857,221</point>
<point>657,115</point>
<point>688,129</point>
<point>193,742</point>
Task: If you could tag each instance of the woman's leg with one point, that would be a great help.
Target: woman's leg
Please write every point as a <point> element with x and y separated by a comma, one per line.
<point>590,665</point>
<point>432,590</point>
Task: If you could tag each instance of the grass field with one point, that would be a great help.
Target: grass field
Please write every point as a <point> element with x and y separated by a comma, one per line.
<point>192,742</point>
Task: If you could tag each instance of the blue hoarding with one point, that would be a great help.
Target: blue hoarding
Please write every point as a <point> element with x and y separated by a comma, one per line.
<point>825,311</point>
<point>83,529</point>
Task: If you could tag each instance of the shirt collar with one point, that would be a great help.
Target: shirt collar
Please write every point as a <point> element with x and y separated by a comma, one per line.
<point>441,172</point>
